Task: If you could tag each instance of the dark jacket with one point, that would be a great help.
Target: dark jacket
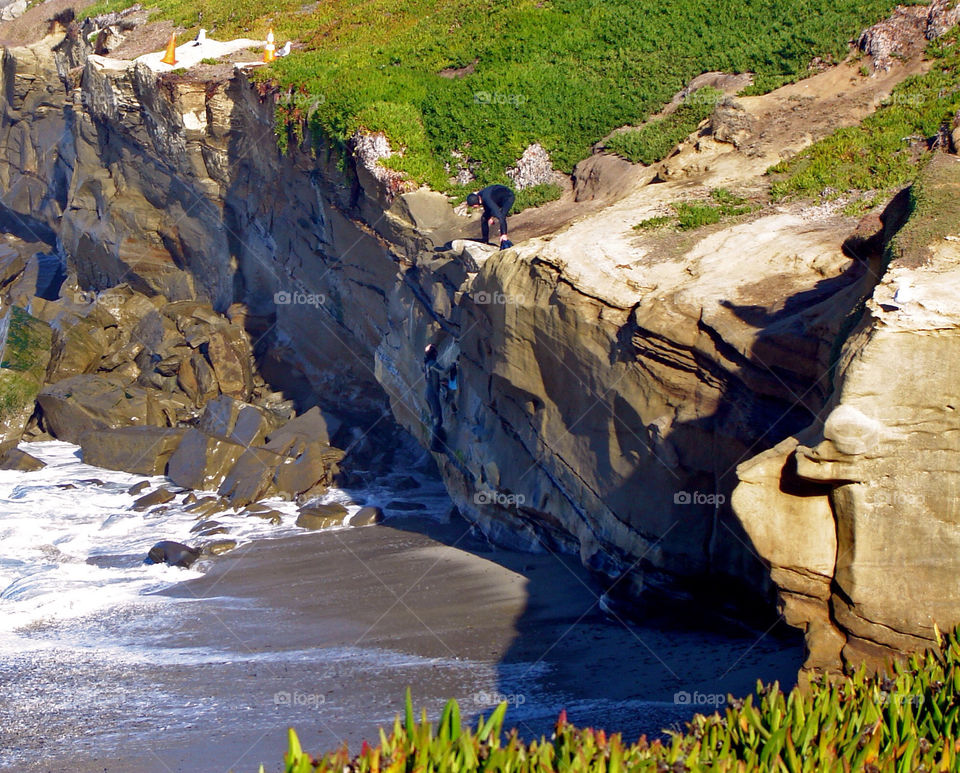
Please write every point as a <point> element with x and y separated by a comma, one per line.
<point>496,200</point>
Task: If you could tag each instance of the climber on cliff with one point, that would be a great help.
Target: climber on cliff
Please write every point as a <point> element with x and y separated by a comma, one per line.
<point>496,201</point>
<point>432,373</point>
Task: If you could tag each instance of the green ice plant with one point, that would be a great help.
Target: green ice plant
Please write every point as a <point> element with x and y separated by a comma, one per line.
<point>487,79</point>
<point>903,718</point>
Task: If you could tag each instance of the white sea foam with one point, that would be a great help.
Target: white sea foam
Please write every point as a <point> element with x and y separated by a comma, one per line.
<point>72,546</point>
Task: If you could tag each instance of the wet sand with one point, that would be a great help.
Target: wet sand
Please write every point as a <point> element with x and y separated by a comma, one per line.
<point>325,631</point>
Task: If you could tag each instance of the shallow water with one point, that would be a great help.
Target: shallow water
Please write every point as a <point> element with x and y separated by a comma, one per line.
<point>110,664</point>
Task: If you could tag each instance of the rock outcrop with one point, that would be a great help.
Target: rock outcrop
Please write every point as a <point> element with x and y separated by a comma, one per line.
<point>594,390</point>
<point>859,516</point>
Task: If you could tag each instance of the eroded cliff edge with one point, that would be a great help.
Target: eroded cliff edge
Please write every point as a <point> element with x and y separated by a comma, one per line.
<point>858,513</point>
<point>607,386</point>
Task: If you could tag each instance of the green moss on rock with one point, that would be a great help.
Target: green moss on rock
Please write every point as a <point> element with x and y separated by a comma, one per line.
<point>24,354</point>
<point>934,212</point>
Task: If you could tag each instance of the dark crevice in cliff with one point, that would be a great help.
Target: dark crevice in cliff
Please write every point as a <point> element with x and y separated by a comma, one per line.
<point>26,227</point>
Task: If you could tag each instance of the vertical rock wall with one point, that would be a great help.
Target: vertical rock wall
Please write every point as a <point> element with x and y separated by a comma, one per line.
<point>859,516</point>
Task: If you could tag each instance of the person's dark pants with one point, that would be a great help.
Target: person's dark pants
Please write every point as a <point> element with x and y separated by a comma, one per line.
<point>505,209</point>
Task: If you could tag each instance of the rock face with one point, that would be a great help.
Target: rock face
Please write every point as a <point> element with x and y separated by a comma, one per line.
<point>593,392</point>
<point>859,516</point>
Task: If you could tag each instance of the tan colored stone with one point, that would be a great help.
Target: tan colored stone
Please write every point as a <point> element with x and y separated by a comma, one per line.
<point>240,422</point>
<point>367,516</point>
<point>219,547</point>
<point>78,347</point>
<point>312,426</point>
<point>207,506</point>
<point>268,514</point>
<point>881,461</point>
<point>139,450</point>
<point>127,353</point>
<point>81,403</point>
<point>251,478</point>
<point>202,461</point>
<point>311,470</point>
<point>159,496</point>
<point>15,459</point>
<point>229,357</point>
<point>796,528</point>
<point>321,516</point>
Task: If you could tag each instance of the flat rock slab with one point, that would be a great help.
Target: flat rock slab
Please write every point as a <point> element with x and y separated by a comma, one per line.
<point>202,461</point>
<point>159,497</point>
<point>138,450</point>
<point>15,459</point>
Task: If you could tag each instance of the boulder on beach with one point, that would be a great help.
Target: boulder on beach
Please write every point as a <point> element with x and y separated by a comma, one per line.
<point>219,547</point>
<point>87,402</point>
<point>251,478</point>
<point>308,474</point>
<point>172,554</point>
<point>202,461</point>
<point>139,450</point>
<point>313,426</point>
<point>235,420</point>
<point>159,496</point>
<point>367,516</point>
<point>318,516</point>
<point>15,459</point>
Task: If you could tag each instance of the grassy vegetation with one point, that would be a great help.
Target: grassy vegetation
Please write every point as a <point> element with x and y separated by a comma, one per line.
<point>906,719</point>
<point>934,208</point>
<point>890,147</point>
<point>694,214</point>
<point>23,365</point>
<point>27,338</point>
<point>537,195</point>
<point>562,72</point>
<point>653,141</point>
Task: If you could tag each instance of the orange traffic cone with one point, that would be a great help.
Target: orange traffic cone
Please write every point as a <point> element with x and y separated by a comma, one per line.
<point>268,50</point>
<point>171,56</point>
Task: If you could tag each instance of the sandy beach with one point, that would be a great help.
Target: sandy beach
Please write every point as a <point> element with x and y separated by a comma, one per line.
<point>324,632</point>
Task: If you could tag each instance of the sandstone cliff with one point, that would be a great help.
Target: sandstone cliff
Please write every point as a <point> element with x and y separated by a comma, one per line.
<point>858,514</point>
<point>594,389</point>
